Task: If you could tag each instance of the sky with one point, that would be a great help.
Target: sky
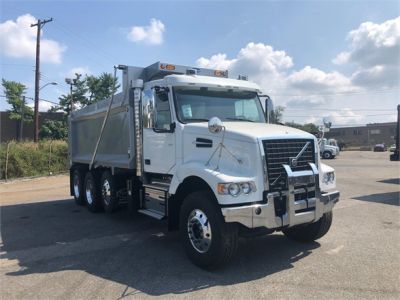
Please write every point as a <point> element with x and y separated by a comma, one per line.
<point>318,59</point>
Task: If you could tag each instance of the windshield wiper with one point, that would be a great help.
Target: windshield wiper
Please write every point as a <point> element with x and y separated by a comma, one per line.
<point>196,120</point>
<point>240,119</point>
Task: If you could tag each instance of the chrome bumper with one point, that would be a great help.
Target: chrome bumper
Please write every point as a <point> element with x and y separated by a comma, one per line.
<point>299,211</point>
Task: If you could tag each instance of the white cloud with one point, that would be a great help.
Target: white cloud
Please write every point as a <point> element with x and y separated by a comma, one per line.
<point>375,51</point>
<point>312,79</point>
<point>43,105</point>
<point>217,61</point>
<point>260,62</point>
<point>345,116</point>
<point>373,44</point>
<point>78,70</point>
<point>18,39</point>
<point>151,35</point>
<point>372,53</point>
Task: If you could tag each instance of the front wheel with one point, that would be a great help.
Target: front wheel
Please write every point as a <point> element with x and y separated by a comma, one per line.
<point>327,155</point>
<point>310,232</point>
<point>208,241</point>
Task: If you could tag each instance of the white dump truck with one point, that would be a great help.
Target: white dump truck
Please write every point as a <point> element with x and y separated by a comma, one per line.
<point>192,146</point>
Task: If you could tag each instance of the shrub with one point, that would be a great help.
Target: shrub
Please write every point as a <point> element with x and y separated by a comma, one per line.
<point>31,159</point>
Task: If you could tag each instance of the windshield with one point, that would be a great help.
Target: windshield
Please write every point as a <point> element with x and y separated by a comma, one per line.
<point>200,105</point>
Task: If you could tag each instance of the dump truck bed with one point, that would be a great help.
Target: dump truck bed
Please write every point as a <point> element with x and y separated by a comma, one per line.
<point>116,147</point>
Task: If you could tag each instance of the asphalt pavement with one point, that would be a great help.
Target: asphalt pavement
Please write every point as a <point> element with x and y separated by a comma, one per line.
<point>52,248</point>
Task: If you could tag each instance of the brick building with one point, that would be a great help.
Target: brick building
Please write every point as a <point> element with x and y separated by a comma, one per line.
<point>368,135</point>
<point>9,128</point>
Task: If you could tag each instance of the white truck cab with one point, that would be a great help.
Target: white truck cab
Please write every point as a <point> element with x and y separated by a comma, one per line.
<point>193,146</point>
<point>328,148</point>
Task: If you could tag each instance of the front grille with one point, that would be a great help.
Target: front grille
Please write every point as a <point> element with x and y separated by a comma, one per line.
<point>279,152</point>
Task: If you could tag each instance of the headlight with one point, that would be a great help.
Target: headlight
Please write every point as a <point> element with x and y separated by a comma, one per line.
<point>329,177</point>
<point>236,188</point>
<point>246,188</point>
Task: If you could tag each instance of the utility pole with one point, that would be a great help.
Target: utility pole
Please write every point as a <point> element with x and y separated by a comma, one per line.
<point>39,24</point>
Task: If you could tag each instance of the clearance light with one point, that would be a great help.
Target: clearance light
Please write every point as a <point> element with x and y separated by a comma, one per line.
<point>167,67</point>
<point>220,73</point>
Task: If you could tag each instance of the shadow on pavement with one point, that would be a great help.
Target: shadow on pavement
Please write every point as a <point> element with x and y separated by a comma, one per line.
<point>391,181</point>
<point>391,198</point>
<point>135,251</point>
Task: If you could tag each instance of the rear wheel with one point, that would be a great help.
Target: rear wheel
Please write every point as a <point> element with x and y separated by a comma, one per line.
<point>109,197</point>
<point>208,241</point>
<point>77,187</point>
<point>327,155</point>
<point>310,232</point>
<point>92,193</point>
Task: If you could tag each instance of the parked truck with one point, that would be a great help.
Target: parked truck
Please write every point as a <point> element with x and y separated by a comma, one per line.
<point>192,146</point>
<point>328,148</point>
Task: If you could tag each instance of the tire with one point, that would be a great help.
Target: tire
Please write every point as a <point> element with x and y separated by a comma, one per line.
<point>108,186</point>
<point>208,241</point>
<point>310,232</point>
<point>327,155</point>
<point>92,192</point>
<point>77,187</point>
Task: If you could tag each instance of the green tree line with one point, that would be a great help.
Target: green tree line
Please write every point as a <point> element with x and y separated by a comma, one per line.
<point>86,90</point>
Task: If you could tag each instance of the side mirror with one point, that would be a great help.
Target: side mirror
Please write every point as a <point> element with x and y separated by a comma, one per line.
<point>148,109</point>
<point>215,125</point>
<point>269,109</point>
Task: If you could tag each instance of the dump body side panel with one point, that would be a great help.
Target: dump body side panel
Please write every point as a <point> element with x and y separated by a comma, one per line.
<point>116,148</point>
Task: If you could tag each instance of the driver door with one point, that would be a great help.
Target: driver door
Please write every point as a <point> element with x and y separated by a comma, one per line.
<point>158,132</point>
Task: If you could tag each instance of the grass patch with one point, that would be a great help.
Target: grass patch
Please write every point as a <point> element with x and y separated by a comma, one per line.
<point>26,159</point>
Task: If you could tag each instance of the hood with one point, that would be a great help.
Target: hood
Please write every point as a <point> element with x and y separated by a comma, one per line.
<point>251,132</point>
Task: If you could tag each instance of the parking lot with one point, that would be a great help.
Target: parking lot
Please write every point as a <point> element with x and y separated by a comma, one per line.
<point>51,248</point>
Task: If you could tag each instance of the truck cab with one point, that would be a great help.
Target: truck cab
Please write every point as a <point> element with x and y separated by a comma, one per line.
<point>328,148</point>
<point>200,153</point>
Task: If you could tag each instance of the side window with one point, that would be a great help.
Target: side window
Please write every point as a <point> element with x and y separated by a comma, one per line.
<point>163,115</point>
<point>246,109</point>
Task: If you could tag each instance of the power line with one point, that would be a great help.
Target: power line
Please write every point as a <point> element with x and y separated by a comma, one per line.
<point>343,110</point>
<point>343,116</point>
<point>31,98</point>
<point>339,94</point>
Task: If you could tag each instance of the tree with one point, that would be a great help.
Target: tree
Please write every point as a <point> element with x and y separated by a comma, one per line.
<point>101,87</point>
<point>276,114</point>
<point>309,127</point>
<point>15,92</point>
<point>87,91</point>
<point>56,130</point>
<point>79,91</point>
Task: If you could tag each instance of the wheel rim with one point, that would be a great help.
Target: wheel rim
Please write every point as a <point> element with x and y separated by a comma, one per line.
<point>106,192</point>
<point>89,194</point>
<point>327,155</point>
<point>76,186</point>
<point>199,231</point>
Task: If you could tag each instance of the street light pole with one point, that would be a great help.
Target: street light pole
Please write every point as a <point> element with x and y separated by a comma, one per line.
<point>49,83</point>
<point>71,83</point>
